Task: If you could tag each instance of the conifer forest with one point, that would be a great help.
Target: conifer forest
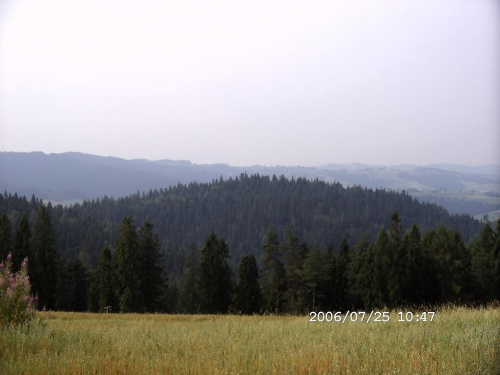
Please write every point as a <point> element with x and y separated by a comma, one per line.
<point>249,245</point>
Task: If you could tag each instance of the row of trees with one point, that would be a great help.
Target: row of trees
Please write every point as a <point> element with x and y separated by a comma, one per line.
<point>398,268</point>
<point>130,278</point>
<point>38,246</point>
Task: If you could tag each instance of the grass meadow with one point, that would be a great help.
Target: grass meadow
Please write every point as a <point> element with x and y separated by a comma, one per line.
<point>457,341</point>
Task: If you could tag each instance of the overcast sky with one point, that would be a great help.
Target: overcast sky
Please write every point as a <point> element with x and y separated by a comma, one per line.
<point>254,82</point>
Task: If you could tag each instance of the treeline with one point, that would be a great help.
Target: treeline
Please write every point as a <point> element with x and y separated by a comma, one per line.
<point>129,278</point>
<point>241,210</point>
<point>399,268</point>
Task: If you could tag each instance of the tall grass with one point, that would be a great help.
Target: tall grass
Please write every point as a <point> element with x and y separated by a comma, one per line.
<point>458,341</point>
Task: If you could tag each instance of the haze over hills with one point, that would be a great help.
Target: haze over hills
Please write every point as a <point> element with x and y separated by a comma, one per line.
<point>72,177</point>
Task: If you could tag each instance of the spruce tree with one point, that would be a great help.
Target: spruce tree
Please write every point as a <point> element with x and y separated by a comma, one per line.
<point>214,283</point>
<point>127,267</point>
<point>397,279</point>
<point>151,270</point>
<point>484,266</point>
<point>273,272</point>
<point>248,295</point>
<point>358,275</point>
<point>5,237</point>
<point>189,296</point>
<point>313,275</point>
<point>422,282</point>
<point>45,278</point>
<point>303,300</point>
<point>78,284</point>
<point>341,286</point>
<point>381,262</point>
<point>106,282</point>
<point>330,271</point>
<point>294,259</point>
<point>22,247</point>
<point>452,265</point>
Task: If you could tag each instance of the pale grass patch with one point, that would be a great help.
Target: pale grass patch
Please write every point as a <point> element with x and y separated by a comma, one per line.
<point>458,341</point>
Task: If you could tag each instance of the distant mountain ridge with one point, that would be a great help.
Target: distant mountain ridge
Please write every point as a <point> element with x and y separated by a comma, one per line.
<point>72,176</point>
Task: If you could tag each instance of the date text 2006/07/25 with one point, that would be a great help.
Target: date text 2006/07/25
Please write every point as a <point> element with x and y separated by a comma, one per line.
<point>372,317</point>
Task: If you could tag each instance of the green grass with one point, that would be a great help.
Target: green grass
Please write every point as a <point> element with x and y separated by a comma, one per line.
<point>458,341</point>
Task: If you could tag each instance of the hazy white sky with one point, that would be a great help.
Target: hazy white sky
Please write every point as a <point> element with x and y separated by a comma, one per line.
<point>254,82</point>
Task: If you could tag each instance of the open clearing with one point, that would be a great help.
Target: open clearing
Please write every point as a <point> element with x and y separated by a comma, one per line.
<point>457,341</point>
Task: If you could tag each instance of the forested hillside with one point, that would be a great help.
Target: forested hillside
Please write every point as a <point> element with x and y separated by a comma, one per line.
<point>240,210</point>
<point>250,244</point>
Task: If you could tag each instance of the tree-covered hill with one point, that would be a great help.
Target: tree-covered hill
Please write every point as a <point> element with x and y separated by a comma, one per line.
<point>240,210</point>
<point>72,177</point>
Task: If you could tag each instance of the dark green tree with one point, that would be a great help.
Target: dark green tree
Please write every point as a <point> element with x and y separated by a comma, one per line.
<point>496,253</point>
<point>22,247</point>
<point>5,237</point>
<point>379,256</point>
<point>294,261</point>
<point>189,296</point>
<point>303,300</point>
<point>127,268</point>
<point>397,279</point>
<point>106,281</point>
<point>314,273</point>
<point>248,295</point>
<point>452,264</point>
<point>273,273</point>
<point>358,276</point>
<point>77,285</point>
<point>422,285</point>
<point>341,275</point>
<point>151,270</point>
<point>330,271</point>
<point>214,283</point>
<point>93,291</point>
<point>484,266</point>
<point>44,282</point>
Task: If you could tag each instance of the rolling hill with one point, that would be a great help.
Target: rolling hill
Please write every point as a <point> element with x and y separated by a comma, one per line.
<point>74,177</point>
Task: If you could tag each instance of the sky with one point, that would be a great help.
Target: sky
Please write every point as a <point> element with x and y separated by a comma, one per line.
<point>253,82</point>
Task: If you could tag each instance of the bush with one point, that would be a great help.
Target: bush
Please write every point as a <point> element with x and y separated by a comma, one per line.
<point>17,305</point>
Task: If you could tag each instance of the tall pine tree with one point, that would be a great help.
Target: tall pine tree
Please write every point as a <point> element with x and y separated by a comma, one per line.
<point>127,268</point>
<point>484,266</point>
<point>379,257</point>
<point>214,283</point>
<point>358,275</point>
<point>151,270</point>
<point>189,296</point>
<point>248,295</point>
<point>44,282</point>
<point>106,282</point>
<point>314,273</point>
<point>22,247</point>
<point>294,260</point>
<point>5,237</point>
<point>341,274</point>
<point>273,272</point>
<point>398,271</point>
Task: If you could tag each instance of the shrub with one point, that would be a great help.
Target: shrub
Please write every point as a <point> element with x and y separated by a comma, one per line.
<point>17,305</point>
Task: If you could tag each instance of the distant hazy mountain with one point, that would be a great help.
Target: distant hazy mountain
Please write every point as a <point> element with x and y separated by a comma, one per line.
<point>71,176</point>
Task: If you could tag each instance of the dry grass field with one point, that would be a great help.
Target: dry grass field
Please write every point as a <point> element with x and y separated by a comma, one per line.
<point>457,341</point>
